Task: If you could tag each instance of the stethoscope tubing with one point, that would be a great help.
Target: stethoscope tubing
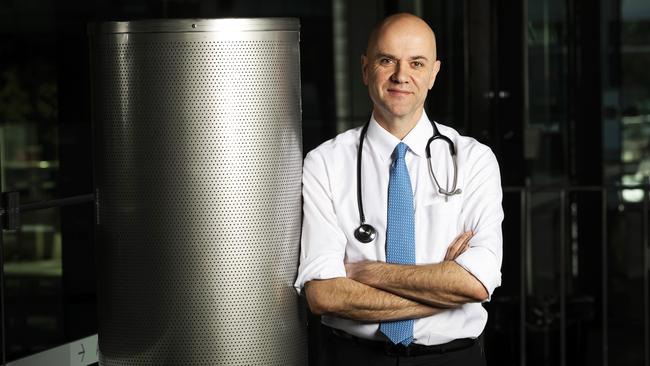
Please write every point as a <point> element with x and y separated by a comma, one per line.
<point>364,130</point>
<point>452,152</point>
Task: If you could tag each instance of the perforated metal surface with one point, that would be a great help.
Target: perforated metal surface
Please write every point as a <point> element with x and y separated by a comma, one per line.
<point>198,176</point>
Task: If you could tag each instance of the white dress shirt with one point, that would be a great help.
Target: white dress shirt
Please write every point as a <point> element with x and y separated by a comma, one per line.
<point>331,216</point>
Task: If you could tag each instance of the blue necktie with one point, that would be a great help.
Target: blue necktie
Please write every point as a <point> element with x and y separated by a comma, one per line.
<point>400,235</point>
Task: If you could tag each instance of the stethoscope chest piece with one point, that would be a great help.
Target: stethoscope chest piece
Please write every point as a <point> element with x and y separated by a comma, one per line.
<point>365,233</point>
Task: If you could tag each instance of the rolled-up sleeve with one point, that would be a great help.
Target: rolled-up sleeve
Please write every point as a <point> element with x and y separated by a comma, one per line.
<point>483,213</point>
<point>322,247</point>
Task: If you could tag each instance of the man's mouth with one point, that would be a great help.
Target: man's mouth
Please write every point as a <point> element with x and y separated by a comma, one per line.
<point>399,91</point>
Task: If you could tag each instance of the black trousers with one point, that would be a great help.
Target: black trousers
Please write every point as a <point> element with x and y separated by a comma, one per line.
<point>341,351</point>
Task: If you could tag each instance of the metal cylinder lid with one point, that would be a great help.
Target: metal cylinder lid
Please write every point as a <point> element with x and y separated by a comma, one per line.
<point>196,25</point>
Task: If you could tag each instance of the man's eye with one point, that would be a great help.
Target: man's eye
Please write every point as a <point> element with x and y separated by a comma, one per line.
<point>417,64</point>
<point>385,61</point>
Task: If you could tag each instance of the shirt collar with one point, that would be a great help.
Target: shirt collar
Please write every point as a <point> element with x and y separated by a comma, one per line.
<point>384,142</point>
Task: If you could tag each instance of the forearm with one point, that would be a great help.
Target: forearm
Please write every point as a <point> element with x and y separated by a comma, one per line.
<point>443,285</point>
<point>346,298</point>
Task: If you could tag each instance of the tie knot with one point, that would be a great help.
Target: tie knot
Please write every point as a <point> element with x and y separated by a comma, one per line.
<point>400,150</point>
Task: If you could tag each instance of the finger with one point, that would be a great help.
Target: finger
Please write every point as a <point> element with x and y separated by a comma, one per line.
<point>451,250</point>
<point>457,245</point>
<point>462,250</point>
<point>460,245</point>
<point>466,245</point>
<point>468,237</point>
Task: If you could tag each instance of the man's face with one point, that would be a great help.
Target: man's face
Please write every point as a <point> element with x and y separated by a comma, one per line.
<point>399,69</point>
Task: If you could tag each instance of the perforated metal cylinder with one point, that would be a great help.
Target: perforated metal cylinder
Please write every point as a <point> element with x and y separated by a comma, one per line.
<point>198,159</point>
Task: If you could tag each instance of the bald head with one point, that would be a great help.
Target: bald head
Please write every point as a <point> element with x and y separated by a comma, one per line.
<point>402,22</point>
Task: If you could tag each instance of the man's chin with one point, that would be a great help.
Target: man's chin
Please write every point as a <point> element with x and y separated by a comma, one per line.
<point>398,113</point>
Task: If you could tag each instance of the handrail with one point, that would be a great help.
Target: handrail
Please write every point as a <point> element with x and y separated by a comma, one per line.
<point>68,201</point>
<point>574,188</point>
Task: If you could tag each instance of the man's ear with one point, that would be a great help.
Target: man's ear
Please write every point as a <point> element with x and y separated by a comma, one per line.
<point>434,73</point>
<point>364,69</point>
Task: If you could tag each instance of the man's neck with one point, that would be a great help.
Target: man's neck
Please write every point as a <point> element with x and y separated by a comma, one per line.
<point>398,127</point>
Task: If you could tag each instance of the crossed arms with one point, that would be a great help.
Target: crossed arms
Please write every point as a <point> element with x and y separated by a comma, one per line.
<point>374,291</point>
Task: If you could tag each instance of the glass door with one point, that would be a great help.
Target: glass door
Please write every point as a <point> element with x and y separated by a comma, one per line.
<point>29,165</point>
<point>44,296</point>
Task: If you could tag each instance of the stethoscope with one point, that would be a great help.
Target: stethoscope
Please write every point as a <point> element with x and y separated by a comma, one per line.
<point>366,233</point>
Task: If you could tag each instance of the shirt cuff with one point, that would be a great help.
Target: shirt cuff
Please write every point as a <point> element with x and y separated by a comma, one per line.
<point>321,268</point>
<point>480,262</point>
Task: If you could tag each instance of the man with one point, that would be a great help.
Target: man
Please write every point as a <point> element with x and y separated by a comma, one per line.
<point>412,295</point>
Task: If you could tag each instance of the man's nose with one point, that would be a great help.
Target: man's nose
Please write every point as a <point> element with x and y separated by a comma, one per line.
<point>400,73</point>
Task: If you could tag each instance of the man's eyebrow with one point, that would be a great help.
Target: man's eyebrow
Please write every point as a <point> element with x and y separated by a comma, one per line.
<point>412,58</point>
<point>385,55</point>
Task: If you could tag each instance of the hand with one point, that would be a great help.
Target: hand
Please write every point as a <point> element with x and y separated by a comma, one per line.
<point>459,245</point>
